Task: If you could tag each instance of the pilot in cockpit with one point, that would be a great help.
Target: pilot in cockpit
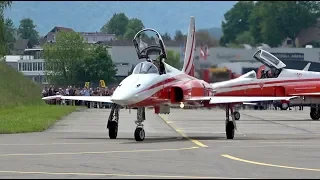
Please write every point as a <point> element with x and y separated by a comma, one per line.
<point>160,65</point>
<point>263,74</point>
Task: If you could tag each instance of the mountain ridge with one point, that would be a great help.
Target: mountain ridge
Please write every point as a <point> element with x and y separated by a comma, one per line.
<point>88,16</point>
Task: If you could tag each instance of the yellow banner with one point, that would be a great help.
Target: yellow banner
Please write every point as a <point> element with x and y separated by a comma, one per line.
<point>87,84</point>
<point>102,83</point>
<point>218,70</point>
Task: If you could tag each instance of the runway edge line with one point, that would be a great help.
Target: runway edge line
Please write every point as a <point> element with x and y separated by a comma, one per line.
<point>169,123</point>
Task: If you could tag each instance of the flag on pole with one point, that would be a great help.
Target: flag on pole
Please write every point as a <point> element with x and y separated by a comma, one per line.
<point>204,52</point>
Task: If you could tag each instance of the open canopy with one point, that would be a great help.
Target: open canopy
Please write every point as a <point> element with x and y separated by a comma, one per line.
<point>268,59</point>
<point>148,42</point>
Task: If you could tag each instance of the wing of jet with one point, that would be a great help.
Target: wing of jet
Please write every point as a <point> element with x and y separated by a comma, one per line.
<point>82,98</point>
<point>237,99</point>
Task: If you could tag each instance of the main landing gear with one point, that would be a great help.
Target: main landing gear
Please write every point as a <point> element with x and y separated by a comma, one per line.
<point>113,123</point>
<point>315,113</point>
<point>230,125</point>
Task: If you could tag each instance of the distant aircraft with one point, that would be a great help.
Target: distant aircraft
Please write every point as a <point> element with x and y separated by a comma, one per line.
<point>157,84</point>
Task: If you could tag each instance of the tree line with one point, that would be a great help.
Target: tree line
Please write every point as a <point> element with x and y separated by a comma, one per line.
<point>125,28</point>
<point>71,61</point>
<point>9,33</point>
<point>270,22</point>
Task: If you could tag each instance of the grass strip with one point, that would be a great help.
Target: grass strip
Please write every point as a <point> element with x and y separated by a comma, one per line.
<point>32,118</point>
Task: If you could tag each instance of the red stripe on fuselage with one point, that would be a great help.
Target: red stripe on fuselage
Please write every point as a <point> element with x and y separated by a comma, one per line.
<point>274,82</point>
<point>171,79</point>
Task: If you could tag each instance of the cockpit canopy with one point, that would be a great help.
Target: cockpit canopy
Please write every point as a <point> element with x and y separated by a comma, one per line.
<point>149,42</point>
<point>251,74</point>
<point>268,59</point>
<point>145,68</point>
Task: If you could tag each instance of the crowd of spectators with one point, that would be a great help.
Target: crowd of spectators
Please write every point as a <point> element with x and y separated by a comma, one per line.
<point>73,91</point>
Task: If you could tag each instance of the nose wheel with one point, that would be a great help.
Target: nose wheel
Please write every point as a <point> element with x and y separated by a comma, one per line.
<point>139,134</point>
<point>236,115</point>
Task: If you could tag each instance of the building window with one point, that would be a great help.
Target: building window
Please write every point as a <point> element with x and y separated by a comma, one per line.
<point>29,66</point>
<point>94,39</point>
<point>40,66</point>
<point>20,67</point>
<point>87,39</point>
<point>24,66</point>
<point>289,41</point>
<point>34,66</point>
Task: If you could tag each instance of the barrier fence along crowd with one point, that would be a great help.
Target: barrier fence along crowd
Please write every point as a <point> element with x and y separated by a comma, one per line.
<point>73,91</point>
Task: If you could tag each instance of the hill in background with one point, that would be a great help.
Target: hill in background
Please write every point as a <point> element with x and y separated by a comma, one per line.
<point>215,32</point>
<point>15,89</point>
<point>90,16</point>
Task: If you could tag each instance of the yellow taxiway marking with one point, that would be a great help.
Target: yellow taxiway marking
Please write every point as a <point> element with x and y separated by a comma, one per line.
<point>123,175</point>
<point>265,164</point>
<point>103,152</point>
<point>181,133</point>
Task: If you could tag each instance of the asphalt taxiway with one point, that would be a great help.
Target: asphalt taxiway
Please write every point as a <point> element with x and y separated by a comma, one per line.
<point>183,144</point>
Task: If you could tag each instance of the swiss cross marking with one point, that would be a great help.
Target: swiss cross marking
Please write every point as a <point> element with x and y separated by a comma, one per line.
<point>261,85</point>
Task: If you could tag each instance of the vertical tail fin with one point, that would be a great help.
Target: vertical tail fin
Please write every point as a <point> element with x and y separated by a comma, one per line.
<point>188,64</point>
<point>307,67</point>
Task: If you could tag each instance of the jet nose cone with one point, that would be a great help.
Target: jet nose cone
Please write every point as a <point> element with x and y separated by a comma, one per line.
<point>121,99</point>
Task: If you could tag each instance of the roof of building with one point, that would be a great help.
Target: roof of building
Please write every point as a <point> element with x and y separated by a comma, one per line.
<point>97,33</point>
<point>61,29</point>
<point>129,43</point>
<point>21,44</point>
<point>58,28</point>
<point>42,41</point>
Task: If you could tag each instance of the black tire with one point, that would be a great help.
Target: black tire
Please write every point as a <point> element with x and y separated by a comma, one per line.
<point>284,106</point>
<point>230,130</point>
<point>113,130</point>
<point>236,115</point>
<point>314,115</point>
<point>139,134</point>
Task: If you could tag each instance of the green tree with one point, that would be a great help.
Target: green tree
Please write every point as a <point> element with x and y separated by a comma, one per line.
<point>116,25</point>
<point>65,58</point>
<point>134,25</point>
<point>255,22</point>
<point>3,6</point>
<point>179,36</point>
<point>296,15</point>
<point>27,30</point>
<point>173,59</point>
<point>236,21</point>
<point>99,65</point>
<point>273,21</point>
<point>166,36</point>
<point>245,38</point>
<point>9,32</point>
